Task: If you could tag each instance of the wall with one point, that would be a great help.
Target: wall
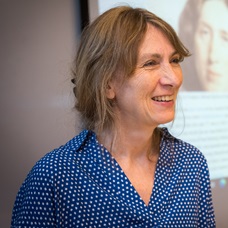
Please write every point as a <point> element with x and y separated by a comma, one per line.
<point>38,40</point>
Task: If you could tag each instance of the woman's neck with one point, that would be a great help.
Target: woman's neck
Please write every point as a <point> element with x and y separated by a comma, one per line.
<point>129,143</point>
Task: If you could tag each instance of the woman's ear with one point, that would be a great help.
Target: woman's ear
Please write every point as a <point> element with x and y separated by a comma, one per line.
<point>110,92</point>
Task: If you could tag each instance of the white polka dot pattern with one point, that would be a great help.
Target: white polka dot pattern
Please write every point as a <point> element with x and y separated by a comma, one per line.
<point>81,185</point>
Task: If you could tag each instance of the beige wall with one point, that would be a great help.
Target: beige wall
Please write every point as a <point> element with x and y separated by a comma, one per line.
<point>38,40</point>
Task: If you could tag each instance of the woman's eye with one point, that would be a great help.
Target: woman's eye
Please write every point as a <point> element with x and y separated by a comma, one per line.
<point>204,32</point>
<point>177,60</point>
<point>225,37</point>
<point>150,64</point>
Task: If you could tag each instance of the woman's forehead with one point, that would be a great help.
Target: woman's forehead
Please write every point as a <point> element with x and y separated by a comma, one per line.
<point>155,43</point>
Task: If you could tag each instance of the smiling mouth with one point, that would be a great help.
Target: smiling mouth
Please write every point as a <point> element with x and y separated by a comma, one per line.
<point>163,98</point>
<point>212,76</point>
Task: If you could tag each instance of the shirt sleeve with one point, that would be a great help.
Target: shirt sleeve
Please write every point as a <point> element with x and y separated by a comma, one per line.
<point>34,205</point>
<point>206,211</point>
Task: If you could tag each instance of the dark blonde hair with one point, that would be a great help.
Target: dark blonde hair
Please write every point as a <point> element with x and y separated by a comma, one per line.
<point>110,44</point>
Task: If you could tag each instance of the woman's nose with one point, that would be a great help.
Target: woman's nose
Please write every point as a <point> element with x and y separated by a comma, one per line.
<point>171,75</point>
<point>214,49</point>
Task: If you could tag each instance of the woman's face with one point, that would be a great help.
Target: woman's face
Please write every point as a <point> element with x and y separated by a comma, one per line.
<point>211,46</point>
<point>148,97</point>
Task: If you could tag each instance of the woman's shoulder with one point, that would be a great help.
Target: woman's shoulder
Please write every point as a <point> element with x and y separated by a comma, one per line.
<point>183,156</point>
<point>181,148</point>
<point>60,158</point>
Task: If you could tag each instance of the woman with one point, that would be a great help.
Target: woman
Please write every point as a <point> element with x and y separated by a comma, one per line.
<point>204,29</point>
<point>123,170</point>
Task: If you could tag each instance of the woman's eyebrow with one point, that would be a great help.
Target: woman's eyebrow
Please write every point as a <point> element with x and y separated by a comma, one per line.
<point>147,56</point>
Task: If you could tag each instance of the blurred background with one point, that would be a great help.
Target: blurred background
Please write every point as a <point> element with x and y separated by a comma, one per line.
<point>38,43</point>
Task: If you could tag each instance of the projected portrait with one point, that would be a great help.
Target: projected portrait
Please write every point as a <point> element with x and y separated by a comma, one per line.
<point>203,27</point>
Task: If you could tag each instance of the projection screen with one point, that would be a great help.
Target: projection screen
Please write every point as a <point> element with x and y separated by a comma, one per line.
<point>202,107</point>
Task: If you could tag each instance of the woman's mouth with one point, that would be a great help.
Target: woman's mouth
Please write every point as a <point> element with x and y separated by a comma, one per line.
<point>163,98</point>
<point>212,75</point>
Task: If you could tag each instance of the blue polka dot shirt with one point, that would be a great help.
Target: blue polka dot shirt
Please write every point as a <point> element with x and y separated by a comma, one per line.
<point>81,185</point>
